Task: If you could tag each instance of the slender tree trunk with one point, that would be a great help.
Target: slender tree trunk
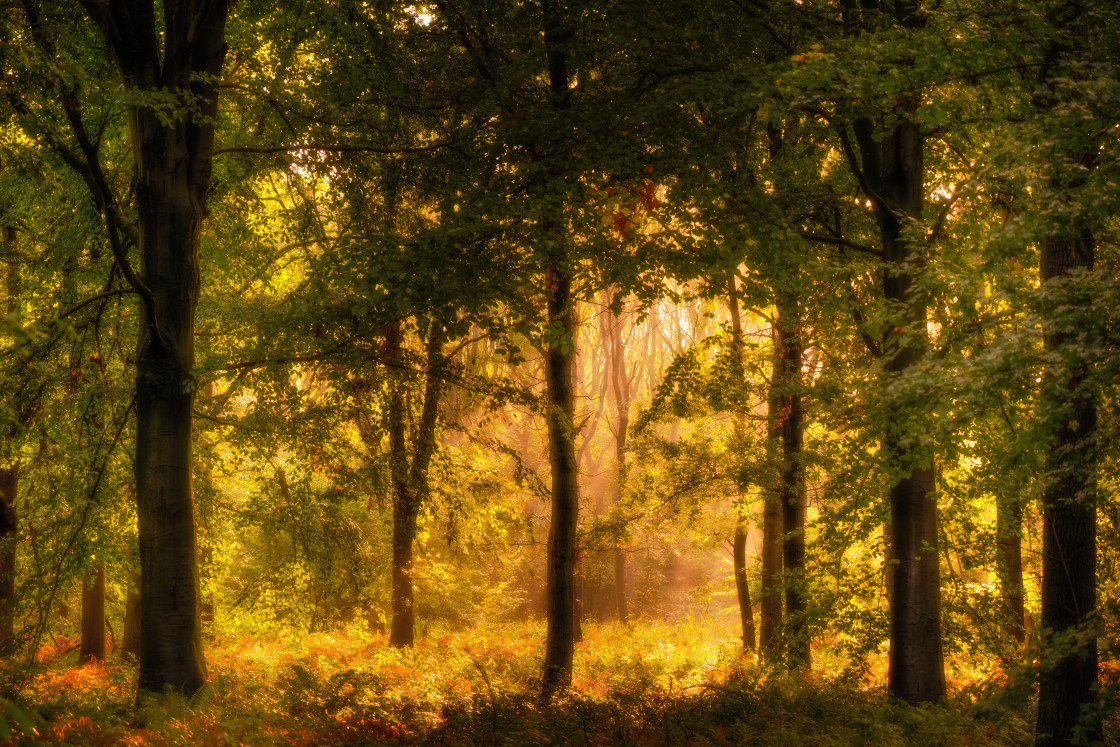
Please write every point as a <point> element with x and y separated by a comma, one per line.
<point>1009,530</point>
<point>739,545</point>
<point>773,526</point>
<point>788,340</point>
<point>93,616</point>
<point>620,386</point>
<point>561,552</point>
<point>131,636</point>
<point>410,477</point>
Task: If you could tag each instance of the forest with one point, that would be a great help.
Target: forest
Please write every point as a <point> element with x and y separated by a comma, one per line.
<point>592,372</point>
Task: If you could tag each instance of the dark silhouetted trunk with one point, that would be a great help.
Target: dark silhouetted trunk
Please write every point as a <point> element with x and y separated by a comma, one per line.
<point>131,636</point>
<point>561,553</point>
<point>892,175</point>
<point>410,476</point>
<point>181,54</point>
<point>789,348</point>
<point>93,616</point>
<point>739,544</point>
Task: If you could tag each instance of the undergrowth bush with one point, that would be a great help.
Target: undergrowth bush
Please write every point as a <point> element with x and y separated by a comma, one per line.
<point>648,684</point>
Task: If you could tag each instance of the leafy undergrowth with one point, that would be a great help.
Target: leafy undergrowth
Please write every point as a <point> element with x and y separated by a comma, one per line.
<point>650,684</point>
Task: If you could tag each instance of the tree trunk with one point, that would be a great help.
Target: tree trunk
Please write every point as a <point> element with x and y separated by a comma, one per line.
<point>410,477</point>
<point>620,386</point>
<point>131,635</point>
<point>182,55</point>
<point>788,341</point>
<point>773,528</point>
<point>93,616</point>
<point>916,669</point>
<point>559,643</point>
<point>1068,408</point>
<point>739,545</point>
<point>1009,531</point>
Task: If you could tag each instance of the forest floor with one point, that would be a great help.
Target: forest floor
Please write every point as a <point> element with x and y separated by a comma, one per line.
<point>646,684</point>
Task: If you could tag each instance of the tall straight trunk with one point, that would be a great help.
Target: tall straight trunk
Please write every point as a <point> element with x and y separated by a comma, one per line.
<point>739,544</point>
<point>789,348</point>
<point>93,616</point>
<point>894,170</point>
<point>1009,533</point>
<point>410,476</point>
<point>181,55</point>
<point>892,176</point>
<point>9,476</point>
<point>620,386</point>
<point>561,552</point>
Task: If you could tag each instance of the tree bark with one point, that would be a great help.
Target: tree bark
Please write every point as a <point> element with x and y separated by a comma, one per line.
<point>559,642</point>
<point>92,646</point>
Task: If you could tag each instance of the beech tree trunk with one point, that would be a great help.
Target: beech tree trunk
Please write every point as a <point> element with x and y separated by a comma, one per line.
<point>739,544</point>
<point>182,55</point>
<point>93,616</point>
<point>894,170</point>
<point>561,552</point>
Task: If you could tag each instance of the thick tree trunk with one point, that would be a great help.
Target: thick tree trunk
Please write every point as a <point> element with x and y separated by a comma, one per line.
<point>788,341</point>
<point>93,616</point>
<point>1068,409</point>
<point>131,636</point>
<point>1069,513</point>
<point>916,670</point>
<point>561,553</point>
<point>182,55</point>
<point>739,544</point>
